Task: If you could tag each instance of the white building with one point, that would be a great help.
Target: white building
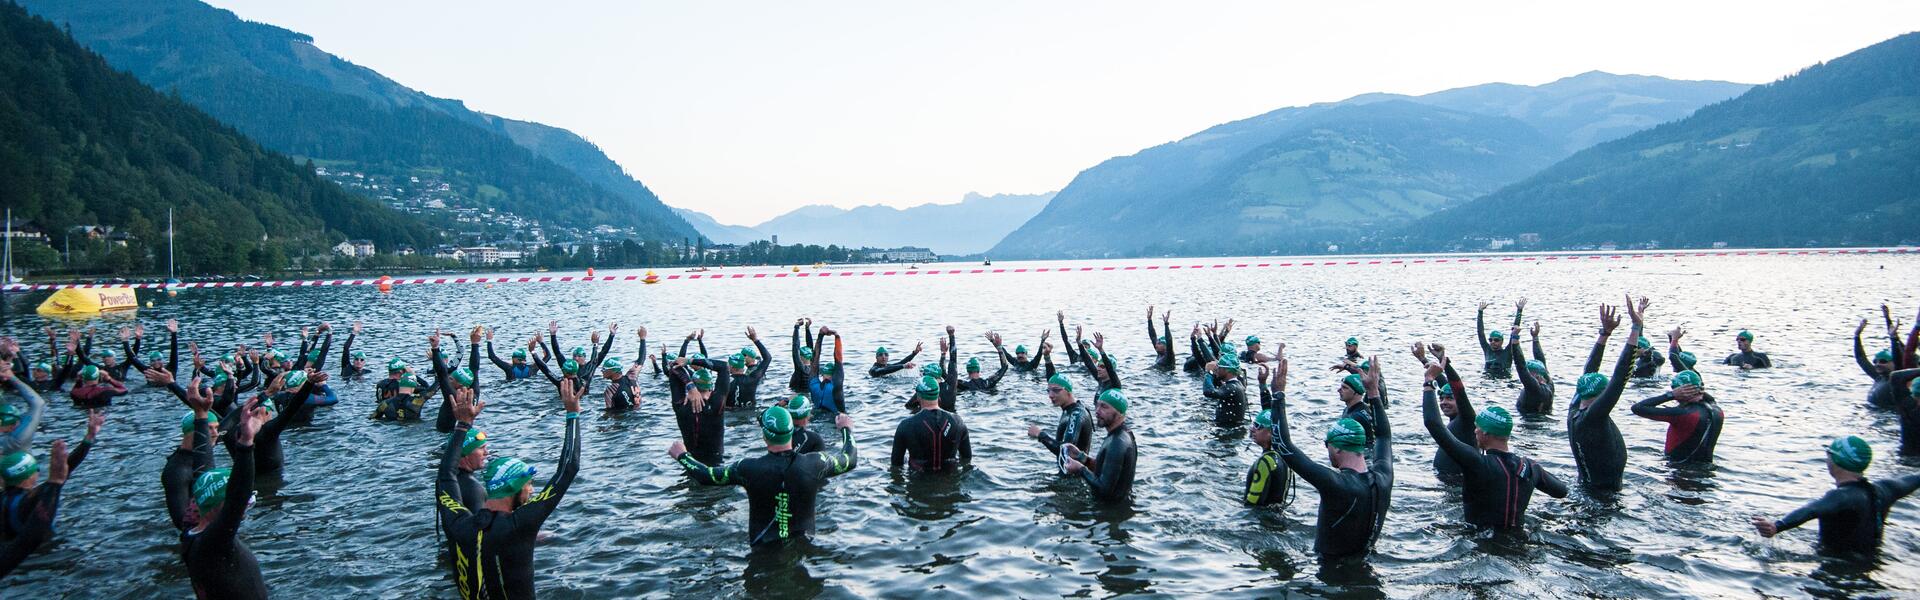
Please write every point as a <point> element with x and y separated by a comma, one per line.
<point>354,248</point>
<point>481,255</point>
<point>902,254</point>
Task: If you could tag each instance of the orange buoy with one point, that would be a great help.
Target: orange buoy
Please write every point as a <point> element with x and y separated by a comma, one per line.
<point>589,271</point>
<point>385,284</point>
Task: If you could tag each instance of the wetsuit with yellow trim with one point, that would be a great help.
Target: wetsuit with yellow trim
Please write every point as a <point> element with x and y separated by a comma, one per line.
<point>493,551</point>
<point>783,488</point>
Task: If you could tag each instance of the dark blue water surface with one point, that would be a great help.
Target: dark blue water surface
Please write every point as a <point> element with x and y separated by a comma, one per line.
<point>353,518</point>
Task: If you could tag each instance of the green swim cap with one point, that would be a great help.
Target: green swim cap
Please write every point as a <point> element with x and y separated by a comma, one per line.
<point>1356,383</point>
<point>1590,385</point>
<point>932,369</point>
<point>210,489</point>
<point>154,358</point>
<point>295,379</point>
<point>1685,378</point>
<point>737,361</point>
<point>41,366</point>
<point>1019,349</point>
<point>826,368</point>
<point>1537,367</point>
<point>90,373</point>
<point>800,406</point>
<point>1744,335</point>
<point>17,466</point>
<point>1062,381</point>
<point>750,353</point>
<point>1495,421</point>
<point>475,440</point>
<point>1347,435</point>
<point>695,357</point>
<point>1253,339</point>
<point>1445,389</point>
<point>9,414</point>
<point>1356,341</point>
<point>671,356</point>
<point>1366,365</point>
<point>973,365</point>
<point>277,355</point>
<point>569,367</point>
<point>611,364</point>
<point>506,476</point>
<point>1093,355</point>
<point>806,353</point>
<point>578,351</point>
<point>186,421</point>
<point>106,353</point>
<point>462,376</point>
<point>1642,343</point>
<point>226,358</point>
<point>1496,335</point>
<point>1685,359</point>
<point>520,354</point>
<point>881,350</point>
<point>1229,362</point>
<point>221,379</point>
<point>1264,419</point>
<point>1850,453</point>
<point>396,366</point>
<point>1113,398</point>
<point>928,389</point>
<point>776,425</point>
<point>358,355</point>
<point>314,355</point>
<point>703,379</point>
<point>1883,356</point>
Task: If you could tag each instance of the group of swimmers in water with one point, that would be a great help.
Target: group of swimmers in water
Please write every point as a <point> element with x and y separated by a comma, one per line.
<point>491,512</point>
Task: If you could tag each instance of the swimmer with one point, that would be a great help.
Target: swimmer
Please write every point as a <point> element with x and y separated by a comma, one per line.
<point>493,543</point>
<point>783,486</point>
<point>1075,426</point>
<point>1853,515</point>
<point>1497,484</point>
<point>931,440</point>
<point>1109,475</point>
<point>1354,499</point>
<point>1693,425</point>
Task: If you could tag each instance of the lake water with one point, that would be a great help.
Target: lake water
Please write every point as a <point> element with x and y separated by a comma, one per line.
<point>353,517</point>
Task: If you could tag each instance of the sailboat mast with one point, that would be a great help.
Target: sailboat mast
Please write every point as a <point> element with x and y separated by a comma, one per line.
<point>169,244</point>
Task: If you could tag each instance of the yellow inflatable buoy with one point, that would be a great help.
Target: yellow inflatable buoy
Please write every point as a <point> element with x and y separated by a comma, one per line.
<point>796,268</point>
<point>651,278</point>
<point>76,301</point>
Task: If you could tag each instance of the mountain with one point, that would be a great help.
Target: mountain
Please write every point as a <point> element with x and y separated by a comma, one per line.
<point>276,86</point>
<point>1299,178</point>
<point>86,144</point>
<point>718,232</point>
<point>970,226</point>
<point>1830,155</point>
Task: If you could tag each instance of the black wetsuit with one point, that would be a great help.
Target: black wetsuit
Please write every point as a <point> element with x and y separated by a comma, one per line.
<point>1032,363</point>
<point>220,565</point>
<point>1110,475</point>
<point>1496,485</point>
<point>443,422</point>
<point>1460,425</point>
<point>29,514</point>
<point>744,390</point>
<point>1496,359</point>
<point>1648,363</point>
<point>1232,397</point>
<point>1353,504</point>
<point>1881,395</point>
<point>1075,427</point>
<point>1908,408</point>
<point>1598,450</point>
<point>990,383</point>
<point>493,551</point>
<point>1750,359</point>
<point>1536,390</point>
<point>881,370</point>
<point>932,441</point>
<point>268,459</point>
<point>805,440</point>
<point>782,487</point>
<point>622,393</point>
<point>394,404</point>
<point>347,370</point>
<point>173,356</point>
<point>704,432</point>
<point>1162,359</point>
<point>802,373</point>
<point>1853,515</point>
<point>1196,356</point>
<point>1692,429</point>
<point>523,370</point>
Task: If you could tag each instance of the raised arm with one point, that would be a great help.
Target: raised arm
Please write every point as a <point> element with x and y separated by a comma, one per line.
<point>1461,452</point>
<point>1480,329</point>
<point>1318,475</point>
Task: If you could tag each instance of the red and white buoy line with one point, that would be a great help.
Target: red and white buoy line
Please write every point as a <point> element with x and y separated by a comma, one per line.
<point>1241,263</point>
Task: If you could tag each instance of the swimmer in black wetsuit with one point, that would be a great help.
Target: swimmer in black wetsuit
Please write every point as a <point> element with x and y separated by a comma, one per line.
<point>783,485</point>
<point>1536,384</point>
<point>1353,395</point>
<point>1094,356</point>
<point>1648,361</point>
<point>804,439</point>
<point>975,381</point>
<point>218,562</point>
<point>30,506</point>
<point>1020,360</point>
<point>1853,516</point>
<point>1224,384</point>
<point>155,359</point>
<point>1747,357</point>
<point>802,356</point>
<point>699,407</point>
<point>401,395</point>
<point>931,440</point>
<point>1198,352</point>
<point>1497,484</point>
<point>1109,475</point>
<point>1163,355</point>
<point>1354,499</point>
<point>747,369</point>
<point>1599,452</point>
<point>1353,351</point>
<point>520,368</point>
<point>881,367</point>
<point>1269,481</point>
<point>353,363</point>
<point>1693,425</point>
<point>493,546</point>
<point>1076,422</point>
<point>586,359</point>
<point>1455,404</point>
<point>623,385</point>
<point>450,380</point>
<point>1253,353</point>
<point>1493,345</point>
<point>1881,394</point>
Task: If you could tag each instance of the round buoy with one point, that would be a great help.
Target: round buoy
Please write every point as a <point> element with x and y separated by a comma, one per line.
<point>170,294</point>
<point>149,304</point>
<point>589,271</point>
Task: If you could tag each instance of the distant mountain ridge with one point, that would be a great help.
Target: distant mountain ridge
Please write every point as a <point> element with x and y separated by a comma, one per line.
<point>1297,179</point>
<point>1827,156</point>
<point>275,85</point>
<point>967,227</point>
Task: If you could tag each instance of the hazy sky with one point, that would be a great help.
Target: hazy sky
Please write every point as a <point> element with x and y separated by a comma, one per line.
<point>747,110</point>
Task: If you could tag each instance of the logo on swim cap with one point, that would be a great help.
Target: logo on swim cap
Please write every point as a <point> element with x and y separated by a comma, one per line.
<point>1347,435</point>
<point>1264,419</point>
<point>1020,349</point>
<point>800,406</point>
<point>221,379</point>
<point>90,373</point>
<point>737,361</point>
<point>882,351</point>
<point>1685,359</point>
<point>42,366</point>
<point>1850,453</point>
<point>1445,390</point>
<point>314,355</point>
<point>1590,385</point>
<point>1354,382</point>
<point>1495,421</point>
<point>1062,381</point>
<point>569,367</point>
<point>973,365</point>
<point>1642,343</point>
<point>154,358</point>
<point>463,376</point>
<point>931,370</point>
<point>776,425</point>
<point>475,439</point>
<point>1115,399</point>
<point>750,353</point>
<point>106,353</point>
<point>277,355</point>
<point>1229,362</point>
<point>295,379</point>
<point>1253,339</point>
<point>1685,378</point>
<point>1883,356</point>
<point>928,389</point>
<point>358,355</point>
<point>9,414</point>
<point>17,466</point>
<point>210,489</point>
<point>396,366</point>
<point>806,353</point>
<point>1537,367</point>
<point>703,379</point>
<point>506,476</point>
<point>1356,341</point>
<point>578,351</point>
<point>520,354</point>
<point>611,364</point>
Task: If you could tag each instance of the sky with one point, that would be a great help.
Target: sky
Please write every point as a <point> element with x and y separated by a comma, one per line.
<point>746,110</point>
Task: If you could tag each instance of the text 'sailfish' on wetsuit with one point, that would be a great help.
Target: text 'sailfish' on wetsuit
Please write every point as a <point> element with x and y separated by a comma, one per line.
<point>220,565</point>
<point>1853,515</point>
<point>1075,427</point>
<point>1353,504</point>
<point>1496,360</point>
<point>932,441</point>
<point>29,514</point>
<point>1110,475</point>
<point>1693,429</point>
<point>1598,450</point>
<point>782,487</point>
<point>744,390</point>
<point>1536,387</point>
<point>1496,486</point>
<point>493,551</point>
